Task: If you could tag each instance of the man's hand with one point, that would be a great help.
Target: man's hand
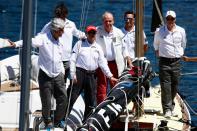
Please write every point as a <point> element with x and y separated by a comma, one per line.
<point>74,78</point>
<point>113,80</point>
<point>130,65</point>
<point>157,53</point>
<point>185,58</point>
<point>12,44</point>
<point>129,62</point>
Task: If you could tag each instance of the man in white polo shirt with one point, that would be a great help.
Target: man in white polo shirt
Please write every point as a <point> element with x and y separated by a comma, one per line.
<point>87,56</point>
<point>129,43</point>
<point>109,38</point>
<point>70,30</point>
<point>169,44</point>
<point>51,73</point>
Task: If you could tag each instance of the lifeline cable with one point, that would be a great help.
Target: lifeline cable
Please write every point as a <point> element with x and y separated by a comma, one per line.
<point>69,98</point>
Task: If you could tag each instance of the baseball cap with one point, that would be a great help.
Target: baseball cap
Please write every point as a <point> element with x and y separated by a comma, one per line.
<point>171,13</point>
<point>57,23</point>
<point>90,28</point>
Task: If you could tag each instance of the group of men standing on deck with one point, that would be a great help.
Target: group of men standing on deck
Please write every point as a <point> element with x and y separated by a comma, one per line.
<point>97,58</point>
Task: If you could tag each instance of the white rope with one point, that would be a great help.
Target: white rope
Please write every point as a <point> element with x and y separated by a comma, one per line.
<point>139,107</point>
<point>69,99</point>
<point>191,73</point>
<point>127,111</point>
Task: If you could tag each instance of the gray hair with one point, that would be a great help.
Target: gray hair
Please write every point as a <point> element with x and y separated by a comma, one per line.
<point>57,23</point>
<point>106,14</point>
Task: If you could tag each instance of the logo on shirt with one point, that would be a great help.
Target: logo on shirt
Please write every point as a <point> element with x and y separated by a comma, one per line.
<point>101,36</point>
<point>114,39</point>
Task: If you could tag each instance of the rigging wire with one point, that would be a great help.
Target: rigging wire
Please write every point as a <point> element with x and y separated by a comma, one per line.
<point>183,96</point>
<point>35,24</point>
<point>20,37</point>
<point>35,16</point>
<point>191,109</point>
<point>134,9</point>
<point>84,14</point>
<point>159,12</point>
<point>20,54</point>
<point>191,73</point>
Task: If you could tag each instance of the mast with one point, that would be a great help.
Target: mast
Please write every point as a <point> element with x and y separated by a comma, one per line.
<point>139,44</point>
<point>26,66</point>
<point>139,40</point>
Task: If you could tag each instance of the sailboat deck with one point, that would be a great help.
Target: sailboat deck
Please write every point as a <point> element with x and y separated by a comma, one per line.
<point>10,86</point>
<point>153,114</point>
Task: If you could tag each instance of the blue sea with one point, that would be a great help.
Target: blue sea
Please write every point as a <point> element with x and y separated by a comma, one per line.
<point>86,12</point>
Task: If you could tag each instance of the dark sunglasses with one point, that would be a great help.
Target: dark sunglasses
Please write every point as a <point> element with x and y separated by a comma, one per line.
<point>128,19</point>
<point>92,32</point>
<point>170,19</point>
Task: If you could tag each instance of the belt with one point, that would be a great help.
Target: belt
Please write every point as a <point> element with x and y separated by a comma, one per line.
<point>113,61</point>
<point>169,59</point>
<point>87,71</point>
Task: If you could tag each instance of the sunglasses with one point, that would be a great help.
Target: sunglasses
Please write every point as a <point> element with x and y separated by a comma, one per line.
<point>170,19</point>
<point>128,19</point>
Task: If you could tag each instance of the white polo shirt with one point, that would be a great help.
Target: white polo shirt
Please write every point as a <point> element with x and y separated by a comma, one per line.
<point>170,44</point>
<point>111,44</point>
<point>70,30</point>
<point>89,57</point>
<point>50,53</point>
<point>129,42</point>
